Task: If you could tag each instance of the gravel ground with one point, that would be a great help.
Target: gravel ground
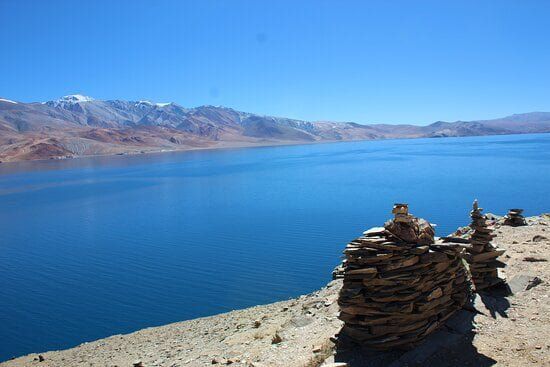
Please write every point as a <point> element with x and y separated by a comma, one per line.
<point>508,331</point>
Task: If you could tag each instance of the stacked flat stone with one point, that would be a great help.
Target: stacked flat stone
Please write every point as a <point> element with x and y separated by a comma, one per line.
<point>515,218</point>
<point>399,286</point>
<point>482,254</point>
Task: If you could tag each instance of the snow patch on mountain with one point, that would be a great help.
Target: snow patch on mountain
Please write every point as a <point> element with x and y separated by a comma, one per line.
<point>71,99</point>
<point>7,100</point>
<point>146,103</point>
<point>76,98</point>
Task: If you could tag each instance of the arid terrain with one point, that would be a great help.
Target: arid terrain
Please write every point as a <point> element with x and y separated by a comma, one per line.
<point>76,125</point>
<point>496,329</point>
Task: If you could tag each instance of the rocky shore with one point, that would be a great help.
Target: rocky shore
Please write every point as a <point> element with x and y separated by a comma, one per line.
<point>496,328</point>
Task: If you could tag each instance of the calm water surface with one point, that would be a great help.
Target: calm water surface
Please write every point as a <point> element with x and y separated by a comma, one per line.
<point>100,246</point>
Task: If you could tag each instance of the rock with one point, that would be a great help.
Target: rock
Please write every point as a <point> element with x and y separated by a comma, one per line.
<point>276,339</point>
<point>398,285</point>
<point>523,282</point>
<point>257,323</point>
<point>533,283</point>
<point>514,218</point>
<point>481,254</point>
<point>221,361</point>
<point>137,363</point>
<point>374,231</point>
<point>41,358</point>
<point>539,238</point>
<point>409,229</point>
<point>534,259</point>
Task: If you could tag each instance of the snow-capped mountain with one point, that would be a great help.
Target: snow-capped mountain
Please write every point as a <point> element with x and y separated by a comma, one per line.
<point>81,125</point>
<point>69,100</point>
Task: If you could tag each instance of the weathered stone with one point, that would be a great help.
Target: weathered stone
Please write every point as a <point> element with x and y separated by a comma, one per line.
<point>276,339</point>
<point>481,254</point>
<point>490,255</point>
<point>398,285</point>
<point>523,282</point>
<point>515,218</point>
<point>375,231</point>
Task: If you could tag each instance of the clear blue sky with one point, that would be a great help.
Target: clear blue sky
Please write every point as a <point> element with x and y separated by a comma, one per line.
<point>363,61</point>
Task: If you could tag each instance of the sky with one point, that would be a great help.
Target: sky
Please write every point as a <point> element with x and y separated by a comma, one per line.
<point>362,61</point>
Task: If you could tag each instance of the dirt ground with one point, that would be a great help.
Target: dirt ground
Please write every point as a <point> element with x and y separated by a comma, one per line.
<point>497,329</point>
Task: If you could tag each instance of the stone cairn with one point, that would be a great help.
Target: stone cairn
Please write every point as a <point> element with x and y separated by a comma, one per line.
<point>398,285</point>
<point>514,218</point>
<point>481,254</point>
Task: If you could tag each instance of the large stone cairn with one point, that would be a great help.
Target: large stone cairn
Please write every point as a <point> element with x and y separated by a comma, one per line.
<point>398,285</point>
<point>481,254</point>
<point>514,218</point>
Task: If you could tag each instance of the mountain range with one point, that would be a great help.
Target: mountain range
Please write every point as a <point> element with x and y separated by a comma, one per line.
<point>77,125</point>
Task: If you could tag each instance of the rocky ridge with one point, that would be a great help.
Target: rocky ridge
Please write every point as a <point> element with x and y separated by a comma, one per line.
<point>78,125</point>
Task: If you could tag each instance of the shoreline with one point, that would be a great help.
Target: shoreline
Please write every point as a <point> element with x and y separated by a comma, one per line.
<point>299,331</point>
<point>243,145</point>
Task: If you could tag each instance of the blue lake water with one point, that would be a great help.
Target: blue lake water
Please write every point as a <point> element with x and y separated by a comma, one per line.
<point>99,246</point>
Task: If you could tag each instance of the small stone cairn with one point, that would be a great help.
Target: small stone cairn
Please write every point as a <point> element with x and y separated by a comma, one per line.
<point>515,218</point>
<point>398,285</point>
<point>481,254</point>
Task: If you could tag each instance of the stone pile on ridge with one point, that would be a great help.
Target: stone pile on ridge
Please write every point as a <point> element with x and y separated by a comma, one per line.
<point>481,254</point>
<point>515,218</point>
<point>399,286</point>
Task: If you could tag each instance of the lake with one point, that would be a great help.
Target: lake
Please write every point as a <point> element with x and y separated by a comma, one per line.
<point>99,246</point>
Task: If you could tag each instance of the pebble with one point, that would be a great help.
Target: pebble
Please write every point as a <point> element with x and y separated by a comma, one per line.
<point>276,339</point>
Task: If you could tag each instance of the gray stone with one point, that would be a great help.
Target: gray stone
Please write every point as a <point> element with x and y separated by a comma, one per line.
<point>523,282</point>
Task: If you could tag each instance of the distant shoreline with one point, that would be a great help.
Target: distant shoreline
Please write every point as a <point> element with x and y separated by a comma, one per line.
<point>244,145</point>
